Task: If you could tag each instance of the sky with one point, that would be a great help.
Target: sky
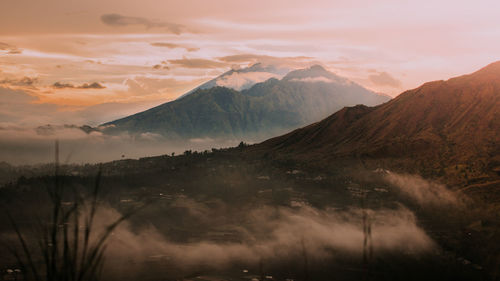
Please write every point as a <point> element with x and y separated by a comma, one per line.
<point>88,62</point>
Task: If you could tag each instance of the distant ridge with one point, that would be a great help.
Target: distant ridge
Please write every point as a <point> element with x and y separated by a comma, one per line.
<point>264,110</point>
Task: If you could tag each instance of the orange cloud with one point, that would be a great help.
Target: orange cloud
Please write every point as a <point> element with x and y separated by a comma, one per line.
<point>384,79</point>
<point>25,81</point>
<point>174,46</point>
<point>95,85</point>
<point>120,20</point>
<point>197,63</point>
<point>298,61</point>
<point>9,49</point>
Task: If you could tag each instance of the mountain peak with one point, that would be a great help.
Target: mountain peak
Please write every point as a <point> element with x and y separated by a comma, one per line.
<point>317,67</point>
<point>264,109</point>
<point>242,78</point>
<point>315,73</point>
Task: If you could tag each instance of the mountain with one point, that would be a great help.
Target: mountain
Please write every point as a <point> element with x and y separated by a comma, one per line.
<point>243,78</point>
<point>264,110</point>
<point>443,128</point>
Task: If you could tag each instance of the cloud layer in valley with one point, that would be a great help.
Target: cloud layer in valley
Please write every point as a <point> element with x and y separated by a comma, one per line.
<point>33,145</point>
<point>424,192</point>
<point>278,234</point>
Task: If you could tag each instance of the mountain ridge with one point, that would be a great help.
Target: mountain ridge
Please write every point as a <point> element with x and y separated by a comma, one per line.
<point>266,109</point>
<point>441,125</point>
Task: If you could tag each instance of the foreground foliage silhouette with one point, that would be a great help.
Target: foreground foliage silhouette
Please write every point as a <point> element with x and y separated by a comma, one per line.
<point>68,246</point>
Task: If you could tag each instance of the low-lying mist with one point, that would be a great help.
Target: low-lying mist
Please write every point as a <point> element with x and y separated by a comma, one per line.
<point>424,192</point>
<point>273,234</point>
<point>189,230</point>
<point>20,145</point>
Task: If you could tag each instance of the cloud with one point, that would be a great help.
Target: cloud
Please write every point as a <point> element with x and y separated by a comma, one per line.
<point>243,58</point>
<point>281,62</point>
<point>95,85</point>
<point>261,58</point>
<point>384,79</point>
<point>264,233</point>
<point>59,85</point>
<point>216,235</point>
<point>12,50</point>
<point>174,46</point>
<point>25,108</point>
<point>120,20</point>
<point>25,81</point>
<point>26,144</point>
<point>162,65</point>
<point>197,63</point>
<point>249,59</point>
<point>422,191</point>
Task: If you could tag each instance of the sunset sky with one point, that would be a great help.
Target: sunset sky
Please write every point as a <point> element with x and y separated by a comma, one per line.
<point>87,62</point>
